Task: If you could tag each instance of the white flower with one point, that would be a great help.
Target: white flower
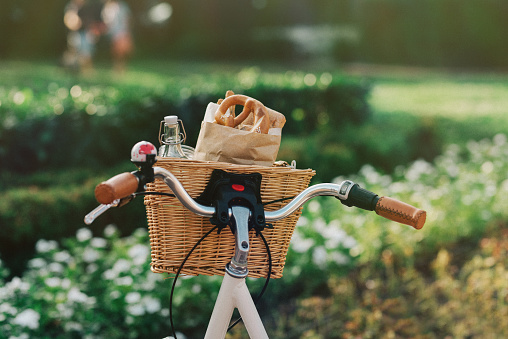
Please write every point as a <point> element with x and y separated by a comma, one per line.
<point>65,310</point>
<point>99,242</point>
<point>129,320</point>
<point>139,253</point>
<point>52,281</point>
<point>110,231</point>
<point>44,246</point>
<point>121,265</point>
<point>28,318</point>
<point>349,242</point>
<point>55,267</point>
<point>8,308</point>
<point>66,283</point>
<point>196,288</point>
<point>302,221</point>
<point>339,258</point>
<point>62,256</point>
<point>499,139</point>
<point>136,310</point>
<point>124,281</point>
<point>319,256</point>
<point>92,268</point>
<point>109,274</point>
<point>73,326</point>
<point>21,336</point>
<point>16,284</point>
<point>150,281</point>
<point>114,294</point>
<point>334,236</point>
<point>90,255</point>
<point>314,206</point>
<point>37,263</point>
<point>132,297</point>
<point>151,304</point>
<point>300,244</point>
<point>83,234</point>
<point>75,295</point>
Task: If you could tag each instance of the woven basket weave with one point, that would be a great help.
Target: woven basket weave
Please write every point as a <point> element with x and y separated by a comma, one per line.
<point>174,230</point>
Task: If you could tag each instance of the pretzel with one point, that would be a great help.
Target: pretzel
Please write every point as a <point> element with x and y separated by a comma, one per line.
<point>261,116</point>
<point>277,120</point>
<point>228,94</point>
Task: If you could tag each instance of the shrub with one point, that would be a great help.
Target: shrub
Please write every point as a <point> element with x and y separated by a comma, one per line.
<point>464,192</point>
<point>62,122</point>
<point>98,286</point>
<point>52,205</point>
<point>454,297</point>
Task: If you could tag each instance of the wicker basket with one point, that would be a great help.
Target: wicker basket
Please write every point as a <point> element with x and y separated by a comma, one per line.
<point>174,230</point>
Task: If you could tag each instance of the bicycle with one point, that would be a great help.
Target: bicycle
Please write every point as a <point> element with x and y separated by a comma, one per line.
<point>243,213</point>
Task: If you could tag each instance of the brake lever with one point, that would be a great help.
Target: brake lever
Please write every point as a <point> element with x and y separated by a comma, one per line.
<point>90,217</point>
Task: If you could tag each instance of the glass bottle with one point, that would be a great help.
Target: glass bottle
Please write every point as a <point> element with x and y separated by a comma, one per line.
<point>172,139</point>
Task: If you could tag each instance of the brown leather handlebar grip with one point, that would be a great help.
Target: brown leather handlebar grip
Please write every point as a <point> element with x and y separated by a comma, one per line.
<point>401,212</point>
<point>119,186</point>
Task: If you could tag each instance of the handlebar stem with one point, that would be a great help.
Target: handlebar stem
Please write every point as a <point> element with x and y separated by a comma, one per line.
<point>238,265</point>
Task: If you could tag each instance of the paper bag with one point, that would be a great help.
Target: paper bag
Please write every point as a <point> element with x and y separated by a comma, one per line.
<point>221,143</point>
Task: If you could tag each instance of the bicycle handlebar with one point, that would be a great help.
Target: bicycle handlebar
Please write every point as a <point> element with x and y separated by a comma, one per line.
<point>117,187</point>
<point>349,193</point>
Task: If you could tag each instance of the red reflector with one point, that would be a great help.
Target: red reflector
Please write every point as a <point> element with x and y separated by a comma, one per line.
<point>238,188</point>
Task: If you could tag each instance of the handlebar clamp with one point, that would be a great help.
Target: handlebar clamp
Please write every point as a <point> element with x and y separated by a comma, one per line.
<point>226,189</point>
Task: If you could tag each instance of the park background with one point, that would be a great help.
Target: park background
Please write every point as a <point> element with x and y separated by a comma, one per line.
<point>407,98</point>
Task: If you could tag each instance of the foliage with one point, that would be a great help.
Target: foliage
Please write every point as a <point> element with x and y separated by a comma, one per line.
<point>97,286</point>
<point>348,273</point>
<point>464,192</point>
<point>457,297</point>
<point>52,205</point>
<point>60,121</point>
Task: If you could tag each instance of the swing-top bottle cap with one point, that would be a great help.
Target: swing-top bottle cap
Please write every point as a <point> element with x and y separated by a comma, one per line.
<point>170,119</point>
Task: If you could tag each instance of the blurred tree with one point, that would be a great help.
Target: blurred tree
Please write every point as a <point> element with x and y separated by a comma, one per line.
<point>426,32</point>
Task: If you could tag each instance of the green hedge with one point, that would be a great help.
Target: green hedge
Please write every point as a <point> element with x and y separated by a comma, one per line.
<point>52,205</point>
<point>50,122</point>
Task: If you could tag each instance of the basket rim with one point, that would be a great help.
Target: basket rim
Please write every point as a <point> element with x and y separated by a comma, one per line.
<point>232,166</point>
<point>164,215</point>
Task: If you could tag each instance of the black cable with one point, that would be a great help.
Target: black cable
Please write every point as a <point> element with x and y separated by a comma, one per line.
<point>173,196</point>
<point>267,278</point>
<point>155,193</point>
<point>197,244</point>
<point>278,200</point>
<point>176,278</point>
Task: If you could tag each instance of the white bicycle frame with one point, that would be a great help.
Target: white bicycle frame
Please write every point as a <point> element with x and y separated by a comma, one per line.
<point>234,292</point>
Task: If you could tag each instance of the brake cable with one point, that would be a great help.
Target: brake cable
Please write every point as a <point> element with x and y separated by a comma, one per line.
<point>259,296</point>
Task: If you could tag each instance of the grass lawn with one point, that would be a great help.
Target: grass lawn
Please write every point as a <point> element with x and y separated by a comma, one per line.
<point>460,106</point>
